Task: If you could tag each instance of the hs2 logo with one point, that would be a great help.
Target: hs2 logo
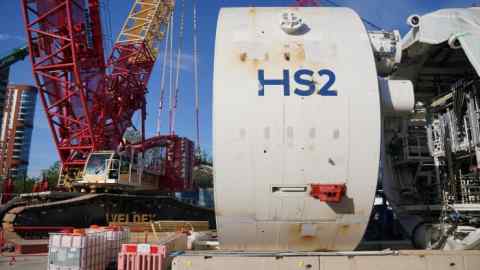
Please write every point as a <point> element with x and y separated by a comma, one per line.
<point>302,77</point>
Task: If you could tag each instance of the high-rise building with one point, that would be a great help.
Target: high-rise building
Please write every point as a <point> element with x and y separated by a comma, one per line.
<point>3,89</point>
<point>16,130</point>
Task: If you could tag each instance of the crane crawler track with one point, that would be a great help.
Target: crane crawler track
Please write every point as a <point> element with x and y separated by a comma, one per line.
<point>82,211</point>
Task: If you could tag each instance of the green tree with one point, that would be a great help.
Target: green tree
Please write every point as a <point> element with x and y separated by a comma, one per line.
<point>203,157</point>
<point>51,174</point>
<point>203,176</point>
<point>22,185</point>
<point>203,173</point>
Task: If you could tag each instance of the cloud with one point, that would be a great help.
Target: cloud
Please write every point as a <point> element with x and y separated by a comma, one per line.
<point>4,37</point>
<point>186,61</point>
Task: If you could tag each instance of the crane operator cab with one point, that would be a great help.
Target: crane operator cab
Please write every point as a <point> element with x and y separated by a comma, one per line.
<point>103,166</point>
<point>109,169</point>
<point>162,163</point>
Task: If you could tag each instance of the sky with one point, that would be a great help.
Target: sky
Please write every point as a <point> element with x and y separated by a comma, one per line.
<point>388,14</point>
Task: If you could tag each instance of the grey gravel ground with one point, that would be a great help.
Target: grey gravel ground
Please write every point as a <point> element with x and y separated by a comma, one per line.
<point>23,262</point>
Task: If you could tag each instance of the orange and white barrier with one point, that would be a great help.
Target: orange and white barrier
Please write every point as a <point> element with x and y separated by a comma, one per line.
<point>142,257</point>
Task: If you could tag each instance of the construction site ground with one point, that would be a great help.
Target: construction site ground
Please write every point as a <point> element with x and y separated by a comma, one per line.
<point>23,262</point>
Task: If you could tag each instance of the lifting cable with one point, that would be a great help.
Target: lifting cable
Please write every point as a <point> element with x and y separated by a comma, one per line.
<point>195,77</point>
<point>171,73</point>
<point>166,52</point>
<point>173,108</point>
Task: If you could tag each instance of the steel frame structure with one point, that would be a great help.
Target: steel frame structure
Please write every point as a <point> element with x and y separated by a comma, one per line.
<point>66,51</point>
<point>133,57</point>
<point>89,103</point>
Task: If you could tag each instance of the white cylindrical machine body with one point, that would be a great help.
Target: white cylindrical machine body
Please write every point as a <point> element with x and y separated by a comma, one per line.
<point>294,106</point>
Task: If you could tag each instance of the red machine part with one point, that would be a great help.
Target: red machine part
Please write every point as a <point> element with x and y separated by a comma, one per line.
<point>180,162</point>
<point>330,193</point>
<point>43,229</point>
<point>131,65</point>
<point>7,191</point>
<point>176,170</point>
<point>40,186</point>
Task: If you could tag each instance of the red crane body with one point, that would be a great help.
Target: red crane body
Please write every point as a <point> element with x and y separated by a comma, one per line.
<point>89,102</point>
<point>7,190</point>
<point>68,66</point>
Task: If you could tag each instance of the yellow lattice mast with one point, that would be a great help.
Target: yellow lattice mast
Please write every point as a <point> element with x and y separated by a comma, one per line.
<point>146,23</point>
